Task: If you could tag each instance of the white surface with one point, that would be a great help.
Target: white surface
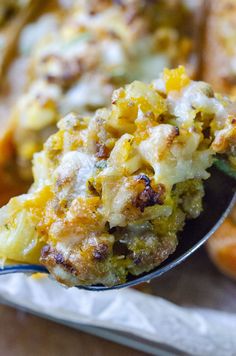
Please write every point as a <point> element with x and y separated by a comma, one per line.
<point>196,331</point>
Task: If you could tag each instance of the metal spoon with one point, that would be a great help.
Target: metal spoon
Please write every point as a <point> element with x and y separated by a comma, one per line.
<point>219,199</point>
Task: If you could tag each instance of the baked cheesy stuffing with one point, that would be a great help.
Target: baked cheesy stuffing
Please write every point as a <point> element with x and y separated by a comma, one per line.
<point>112,191</point>
<point>78,55</point>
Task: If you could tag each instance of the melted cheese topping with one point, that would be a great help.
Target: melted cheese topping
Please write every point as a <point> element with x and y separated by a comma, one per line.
<point>112,190</point>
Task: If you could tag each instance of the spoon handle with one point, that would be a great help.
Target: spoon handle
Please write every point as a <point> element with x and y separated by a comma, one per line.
<point>8,269</point>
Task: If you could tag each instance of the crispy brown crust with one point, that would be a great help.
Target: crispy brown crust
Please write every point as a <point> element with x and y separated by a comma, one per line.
<point>102,152</point>
<point>100,253</point>
<point>56,258</point>
<point>148,196</point>
<point>74,269</point>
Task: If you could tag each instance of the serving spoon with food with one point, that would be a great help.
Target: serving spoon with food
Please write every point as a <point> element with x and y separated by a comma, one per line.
<point>118,199</point>
<point>220,197</point>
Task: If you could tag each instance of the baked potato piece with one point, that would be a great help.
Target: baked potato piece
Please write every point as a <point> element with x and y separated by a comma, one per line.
<point>112,191</point>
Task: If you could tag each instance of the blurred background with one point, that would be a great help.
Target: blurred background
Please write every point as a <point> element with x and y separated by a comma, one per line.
<point>59,56</point>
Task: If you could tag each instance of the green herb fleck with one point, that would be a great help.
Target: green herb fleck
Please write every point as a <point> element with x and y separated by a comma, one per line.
<point>101,164</point>
<point>7,226</point>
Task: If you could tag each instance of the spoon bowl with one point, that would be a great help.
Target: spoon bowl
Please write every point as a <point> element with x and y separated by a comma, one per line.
<point>219,199</point>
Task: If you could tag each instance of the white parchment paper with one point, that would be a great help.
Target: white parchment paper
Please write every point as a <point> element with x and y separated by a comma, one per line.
<point>195,331</point>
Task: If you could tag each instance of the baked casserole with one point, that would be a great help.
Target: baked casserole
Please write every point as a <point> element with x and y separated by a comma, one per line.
<point>112,191</point>
<point>78,54</point>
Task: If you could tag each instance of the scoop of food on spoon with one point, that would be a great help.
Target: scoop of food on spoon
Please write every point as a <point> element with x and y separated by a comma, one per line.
<point>126,195</point>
